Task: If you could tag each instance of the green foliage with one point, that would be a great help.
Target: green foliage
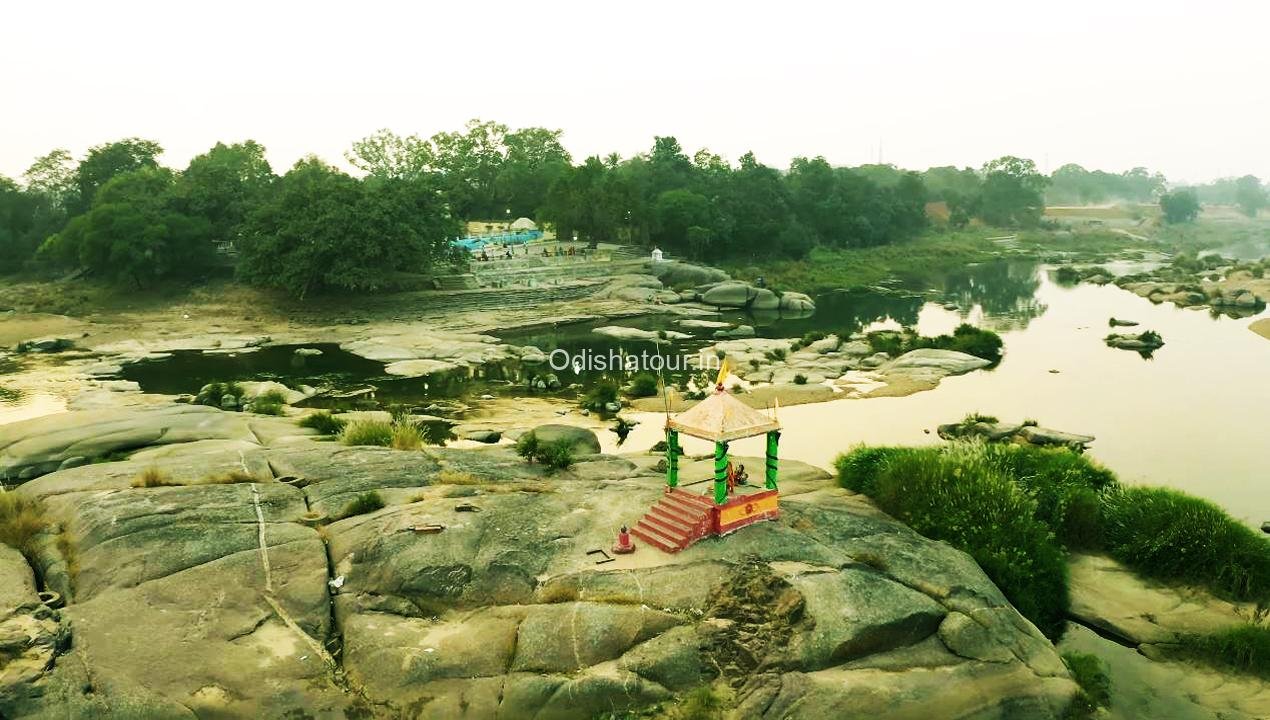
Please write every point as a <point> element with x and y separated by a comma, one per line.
<point>1179,206</point>
<point>966,338</point>
<point>367,502</point>
<point>800,379</point>
<point>643,385</point>
<point>268,403</point>
<point>1250,196</point>
<point>368,432</point>
<point>213,393</point>
<point>324,422</point>
<point>1011,195</point>
<point>406,436</point>
<point>957,494</point>
<point>557,455</point>
<point>9,395</point>
<point>1090,674</point>
<point>21,520</point>
<point>320,229</point>
<point>600,394</point>
<point>527,446</point>
<point>223,185</point>
<point>1243,648</point>
<point>1169,535</point>
<point>106,162</point>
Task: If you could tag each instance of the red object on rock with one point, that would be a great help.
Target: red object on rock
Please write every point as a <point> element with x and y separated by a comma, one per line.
<point>624,544</point>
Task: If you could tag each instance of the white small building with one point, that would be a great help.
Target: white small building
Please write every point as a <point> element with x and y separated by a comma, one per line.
<point>657,255</point>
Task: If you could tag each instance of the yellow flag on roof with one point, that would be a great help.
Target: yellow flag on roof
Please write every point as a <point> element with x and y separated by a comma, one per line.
<point>723,372</point>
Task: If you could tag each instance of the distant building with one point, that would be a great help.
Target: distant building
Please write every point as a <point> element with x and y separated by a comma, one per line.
<point>657,255</point>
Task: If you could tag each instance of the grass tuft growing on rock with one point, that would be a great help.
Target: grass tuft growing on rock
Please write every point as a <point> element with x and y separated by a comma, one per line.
<point>324,422</point>
<point>152,477</point>
<point>367,502</point>
<point>268,403</point>
<point>1170,535</point>
<point>21,520</point>
<point>231,477</point>
<point>1243,648</point>
<point>367,432</point>
<point>406,436</point>
<point>1095,685</point>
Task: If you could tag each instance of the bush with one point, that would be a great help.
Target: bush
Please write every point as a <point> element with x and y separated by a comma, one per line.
<point>557,455</point>
<point>1170,535</point>
<point>601,393</point>
<point>367,502</point>
<point>1067,487</point>
<point>406,436</point>
<point>958,495</point>
<point>1243,648</point>
<point>859,468</point>
<point>886,341</point>
<point>324,422</point>
<point>21,520</point>
<point>1091,675</point>
<point>215,392</point>
<point>800,379</point>
<point>368,432</point>
<point>527,446</point>
<point>643,385</point>
<point>152,477</point>
<point>268,403</point>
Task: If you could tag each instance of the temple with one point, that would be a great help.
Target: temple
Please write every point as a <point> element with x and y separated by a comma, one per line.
<point>682,517</point>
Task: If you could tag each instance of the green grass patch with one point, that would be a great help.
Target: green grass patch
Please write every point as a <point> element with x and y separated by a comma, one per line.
<point>324,422</point>
<point>367,502</point>
<point>966,338</point>
<point>600,394</point>
<point>1090,674</point>
<point>556,455</point>
<point>1243,649</point>
<point>368,432</point>
<point>1170,535</point>
<point>406,436</point>
<point>268,403</point>
<point>957,494</point>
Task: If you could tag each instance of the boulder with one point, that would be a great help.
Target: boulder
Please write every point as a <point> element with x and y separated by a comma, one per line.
<point>1141,341</point>
<point>796,301</point>
<point>945,362</point>
<point>1045,436</point>
<point>583,441</point>
<point>629,333</point>
<point>683,275</point>
<point>730,294</point>
<point>308,352</point>
<point>705,324</point>
<point>740,331</point>
<point>764,299</point>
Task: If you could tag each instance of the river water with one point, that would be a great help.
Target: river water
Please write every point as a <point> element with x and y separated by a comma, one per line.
<point>1195,416</point>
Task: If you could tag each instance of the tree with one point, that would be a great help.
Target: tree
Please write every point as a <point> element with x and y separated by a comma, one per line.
<point>676,212</point>
<point>17,211</point>
<point>53,175</point>
<point>384,154</point>
<point>1250,196</point>
<point>1012,192</point>
<point>321,229</point>
<point>535,159</point>
<point>134,232</point>
<point>1179,206</point>
<point>223,185</point>
<point>104,162</point>
<point>470,162</point>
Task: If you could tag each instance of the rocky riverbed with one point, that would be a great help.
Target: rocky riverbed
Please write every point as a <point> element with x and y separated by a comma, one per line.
<point>212,598</point>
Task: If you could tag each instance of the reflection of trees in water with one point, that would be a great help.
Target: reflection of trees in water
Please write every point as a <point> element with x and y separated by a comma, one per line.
<point>845,313</point>
<point>1005,290</point>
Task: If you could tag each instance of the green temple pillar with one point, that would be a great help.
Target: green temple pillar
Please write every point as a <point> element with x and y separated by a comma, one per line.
<point>720,473</point>
<point>773,439</point>
<point>672,458</point>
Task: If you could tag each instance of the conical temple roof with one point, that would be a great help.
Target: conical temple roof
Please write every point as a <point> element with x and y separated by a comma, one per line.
<point>722,418</point>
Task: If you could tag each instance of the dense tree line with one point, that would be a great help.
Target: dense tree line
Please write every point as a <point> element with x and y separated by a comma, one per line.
<point>118,213</point>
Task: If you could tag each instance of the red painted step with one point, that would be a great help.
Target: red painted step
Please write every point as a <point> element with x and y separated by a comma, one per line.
<point>651,537</point>
<point>678,519</point>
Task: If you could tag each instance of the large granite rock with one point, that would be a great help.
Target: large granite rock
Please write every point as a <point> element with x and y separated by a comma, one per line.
<point>684,275</point>
<point>583,440</point>
<point>472,594</point>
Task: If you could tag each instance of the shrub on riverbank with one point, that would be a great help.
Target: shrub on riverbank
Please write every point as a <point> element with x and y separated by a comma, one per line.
<point>599,395</point>
<point>958,495</point>
<point>643,385</point>
<point>324,422</point>
<point>1243,648</point>
<point>268,403</point>
<point>367,432</point>
<point>966,338</point>
<point>556,455</point>
<point>1170,535</point>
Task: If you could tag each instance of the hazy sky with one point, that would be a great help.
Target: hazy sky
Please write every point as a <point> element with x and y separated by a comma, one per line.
<point>1183,88</point>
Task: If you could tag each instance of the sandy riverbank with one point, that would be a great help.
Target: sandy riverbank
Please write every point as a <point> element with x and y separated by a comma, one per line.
<point>1261,327</point>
